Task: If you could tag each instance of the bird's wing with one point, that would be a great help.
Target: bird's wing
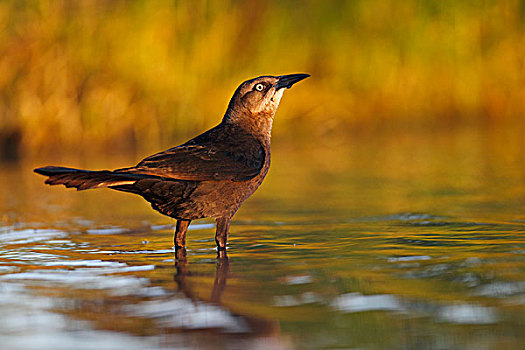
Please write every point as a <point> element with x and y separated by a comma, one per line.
<point>238,162</point>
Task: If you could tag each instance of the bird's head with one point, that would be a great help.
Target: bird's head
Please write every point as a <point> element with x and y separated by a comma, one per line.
<point>255,101</point>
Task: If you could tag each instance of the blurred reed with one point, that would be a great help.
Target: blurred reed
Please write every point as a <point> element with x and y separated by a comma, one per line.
<point>142,75</point>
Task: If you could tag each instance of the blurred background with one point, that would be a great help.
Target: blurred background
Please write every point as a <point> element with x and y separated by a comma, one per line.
<point>137,76</point>
<point>392,217</point>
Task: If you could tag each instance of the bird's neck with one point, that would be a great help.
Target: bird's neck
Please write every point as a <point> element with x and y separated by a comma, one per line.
<point>260,125</point>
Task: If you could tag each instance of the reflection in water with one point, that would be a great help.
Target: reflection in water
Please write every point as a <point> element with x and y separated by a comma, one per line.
<point>221,274</point>
<point>223,268</point>
<point>112,296</point>
<point>411,243</point>
<point>455,313</point>
<point>353,288</point>
<point>210,313</point>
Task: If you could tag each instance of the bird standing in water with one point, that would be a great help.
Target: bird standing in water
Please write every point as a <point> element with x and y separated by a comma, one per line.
<point>212,174</point>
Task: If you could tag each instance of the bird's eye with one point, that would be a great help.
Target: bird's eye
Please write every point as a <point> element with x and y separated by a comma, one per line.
<point>259,87</point>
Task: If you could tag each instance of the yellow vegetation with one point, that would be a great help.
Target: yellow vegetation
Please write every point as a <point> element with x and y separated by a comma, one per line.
<point>146,74</point>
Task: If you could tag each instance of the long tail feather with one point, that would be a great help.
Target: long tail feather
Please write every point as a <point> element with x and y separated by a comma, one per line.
<point>87,179</point>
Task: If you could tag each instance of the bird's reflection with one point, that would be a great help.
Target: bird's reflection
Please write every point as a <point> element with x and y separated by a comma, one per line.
<point>183,274</point>
<point>221,275</point>
<point>255,325</point>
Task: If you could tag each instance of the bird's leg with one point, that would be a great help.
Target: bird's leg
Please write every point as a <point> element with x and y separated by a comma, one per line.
<point>221,236</point>
<point>180,233</point>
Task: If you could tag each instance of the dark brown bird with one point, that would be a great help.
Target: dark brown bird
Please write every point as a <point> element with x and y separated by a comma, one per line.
<point>212,174</point>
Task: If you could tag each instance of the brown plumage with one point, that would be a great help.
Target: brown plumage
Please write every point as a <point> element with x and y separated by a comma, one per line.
<point>208,176</point>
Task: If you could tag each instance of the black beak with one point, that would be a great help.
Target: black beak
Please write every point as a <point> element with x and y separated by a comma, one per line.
<point>286,81</point>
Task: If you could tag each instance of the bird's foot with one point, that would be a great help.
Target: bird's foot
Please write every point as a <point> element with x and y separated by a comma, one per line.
<point>180,254</point>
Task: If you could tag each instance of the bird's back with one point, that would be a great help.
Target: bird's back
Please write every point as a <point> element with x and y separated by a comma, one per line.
<point>209,176</point>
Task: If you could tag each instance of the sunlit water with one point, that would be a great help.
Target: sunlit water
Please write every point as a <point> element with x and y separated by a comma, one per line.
<point>406,242</point>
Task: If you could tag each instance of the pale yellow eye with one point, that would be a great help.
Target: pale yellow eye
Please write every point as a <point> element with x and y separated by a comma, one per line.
<point>259,87</point>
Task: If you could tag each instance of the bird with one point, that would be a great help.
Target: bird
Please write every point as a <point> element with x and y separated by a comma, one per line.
<point>209,176</point>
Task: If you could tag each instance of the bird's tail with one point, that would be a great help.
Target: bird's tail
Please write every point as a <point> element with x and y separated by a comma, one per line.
<point>87,179</point>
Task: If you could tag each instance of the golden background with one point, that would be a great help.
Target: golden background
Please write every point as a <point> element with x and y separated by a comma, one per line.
<point>137,76</point>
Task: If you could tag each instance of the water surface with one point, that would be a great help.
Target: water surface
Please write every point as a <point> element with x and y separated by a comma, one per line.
<point>406,241</point>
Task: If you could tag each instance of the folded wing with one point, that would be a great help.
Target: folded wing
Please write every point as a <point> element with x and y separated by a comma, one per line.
<point>240,162</point>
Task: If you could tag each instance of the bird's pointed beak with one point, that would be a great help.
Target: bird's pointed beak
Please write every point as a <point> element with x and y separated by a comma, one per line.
<point>286,81</point>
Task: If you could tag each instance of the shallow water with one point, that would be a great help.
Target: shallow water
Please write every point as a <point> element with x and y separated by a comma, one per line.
<point>397,242</point>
